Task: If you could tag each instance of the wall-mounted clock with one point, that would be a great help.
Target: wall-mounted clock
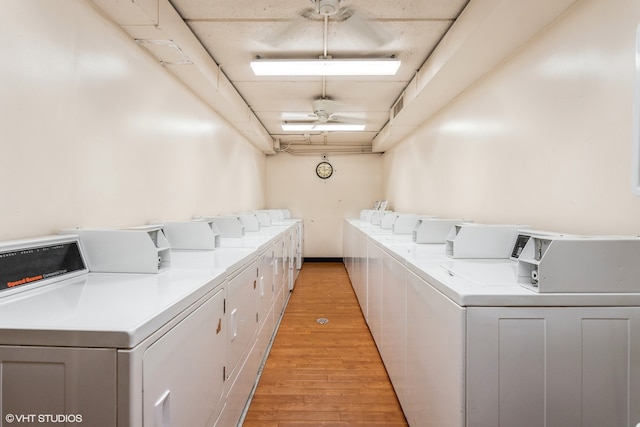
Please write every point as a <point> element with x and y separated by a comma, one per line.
<point>324,169</point>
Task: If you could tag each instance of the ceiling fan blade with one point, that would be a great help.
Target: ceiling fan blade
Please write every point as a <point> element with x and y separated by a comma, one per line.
<point>298,116</point>
<point>362,26</point>
<point>347,120</point>
<point>291,29</point>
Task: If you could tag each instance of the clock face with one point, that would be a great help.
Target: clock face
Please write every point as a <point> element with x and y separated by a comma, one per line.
<point>324,170</point>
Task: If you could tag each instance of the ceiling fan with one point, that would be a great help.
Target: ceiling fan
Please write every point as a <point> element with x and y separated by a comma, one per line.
<point>336,11</point>
<point>324,112</point>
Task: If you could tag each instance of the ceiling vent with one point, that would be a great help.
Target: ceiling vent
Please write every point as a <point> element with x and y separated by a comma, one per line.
<point>397,107</point>
<point>166,51</point>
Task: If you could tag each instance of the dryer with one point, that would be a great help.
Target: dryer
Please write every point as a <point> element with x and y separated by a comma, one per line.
<point>81,346</point>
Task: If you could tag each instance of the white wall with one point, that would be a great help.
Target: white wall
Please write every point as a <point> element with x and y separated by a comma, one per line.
<point>323,204</point>
<point>543,140</point>
<point>95,133</point>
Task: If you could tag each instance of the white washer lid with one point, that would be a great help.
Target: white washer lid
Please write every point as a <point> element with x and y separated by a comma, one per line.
<point>229,259</point>
<point>257,240</point>
<point>494,283</point>
<point>109,310</point>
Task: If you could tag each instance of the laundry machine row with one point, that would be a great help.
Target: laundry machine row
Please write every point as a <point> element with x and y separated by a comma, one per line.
<point>523,334</point>
<point>178,342</point>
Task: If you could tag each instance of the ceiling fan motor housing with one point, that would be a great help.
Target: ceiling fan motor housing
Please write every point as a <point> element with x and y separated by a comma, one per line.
<point>328,7</point>
<point>323,108</point>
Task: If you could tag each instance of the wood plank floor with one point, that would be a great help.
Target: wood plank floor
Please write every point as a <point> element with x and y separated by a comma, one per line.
<point>324,375</point>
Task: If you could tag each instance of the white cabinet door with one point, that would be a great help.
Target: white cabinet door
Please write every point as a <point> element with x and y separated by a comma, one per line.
<point>299,246</point>
<point>183,379</point>
<point>265,287</point>
<point>287,259</point>
<point>553,367</point>
<point>394,321</point>
<point>242,314</point>
<point>347,247</point>
<point>278,278</point>
<point>374,287</point>
<point>434,395</point>
<point>359,279</point>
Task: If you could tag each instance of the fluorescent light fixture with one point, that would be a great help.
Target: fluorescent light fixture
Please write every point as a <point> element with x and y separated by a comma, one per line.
<point>325,67</point>
<point>320,127</point>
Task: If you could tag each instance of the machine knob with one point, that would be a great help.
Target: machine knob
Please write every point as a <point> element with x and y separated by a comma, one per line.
<point>534,277</point>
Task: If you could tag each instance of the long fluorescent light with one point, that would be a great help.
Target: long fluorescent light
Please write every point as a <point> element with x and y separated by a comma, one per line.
<point>320,127</point>
<point>325,67</point>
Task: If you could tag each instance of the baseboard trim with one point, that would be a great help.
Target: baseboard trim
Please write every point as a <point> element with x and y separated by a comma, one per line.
<point>323,259</point>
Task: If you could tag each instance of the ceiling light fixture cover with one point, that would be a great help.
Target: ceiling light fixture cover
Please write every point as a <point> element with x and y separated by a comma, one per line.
<point>325,67</point>
<point>322,127</point>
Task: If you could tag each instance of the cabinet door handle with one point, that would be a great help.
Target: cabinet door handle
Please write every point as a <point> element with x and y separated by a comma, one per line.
<point>234,324</point>
<point>219,328</point>
<point>162,410</point>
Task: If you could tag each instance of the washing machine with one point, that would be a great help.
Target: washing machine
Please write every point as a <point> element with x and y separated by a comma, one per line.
<point>78,347</point>
<point>513,355</point>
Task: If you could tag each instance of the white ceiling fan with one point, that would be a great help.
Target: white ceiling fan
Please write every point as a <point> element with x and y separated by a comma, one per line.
<point>324,113</point>
<point>336,11</point>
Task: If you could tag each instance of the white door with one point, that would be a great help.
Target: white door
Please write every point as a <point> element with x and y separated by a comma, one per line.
<point>183,382</point>
<point>394,321</point>
<point>373,309</point>
<point>265,290</point>
<point>242,314</point>
<point>434,394</point>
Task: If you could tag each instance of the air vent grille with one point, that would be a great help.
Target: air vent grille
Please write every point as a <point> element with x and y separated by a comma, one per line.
<point>397,107</point>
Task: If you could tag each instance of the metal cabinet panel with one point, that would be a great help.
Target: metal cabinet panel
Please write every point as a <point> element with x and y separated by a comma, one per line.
<point>242,314</point>
<point>394,320</point>
<point>374,290</point>
<point>278,278</point>
<point>553,367</point>
<point>359,279</point>
<point>434,394</point>
<point>347,247</point>
<point>287,259</point>
<point>265,286</point>
<point>183,380</point>
<point>78,384</point>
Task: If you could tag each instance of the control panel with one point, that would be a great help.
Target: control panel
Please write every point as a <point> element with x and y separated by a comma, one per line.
<point>471,240</point>
<point>29,263</point>
<point>433,230</point>
<point>580,264</point>
<point>199,234</point>
<point>142,249</point>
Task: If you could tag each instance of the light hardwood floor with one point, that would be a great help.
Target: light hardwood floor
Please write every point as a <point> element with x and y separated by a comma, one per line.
<point>324,375</point>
